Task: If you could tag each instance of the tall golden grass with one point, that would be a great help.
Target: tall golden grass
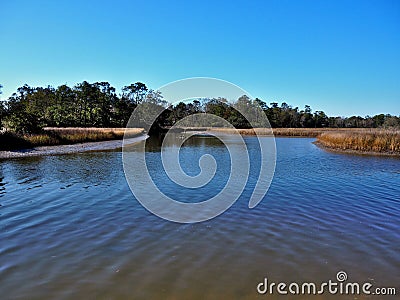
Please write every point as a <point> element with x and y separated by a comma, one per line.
<point>385,141</point>
<point>312,132</point>
<point>80,134</point>
<point>251,131</point>
<point>295,132</point>
<point>360,140</point>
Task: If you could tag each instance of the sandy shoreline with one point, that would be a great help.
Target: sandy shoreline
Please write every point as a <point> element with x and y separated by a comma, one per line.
<point>73,148</point>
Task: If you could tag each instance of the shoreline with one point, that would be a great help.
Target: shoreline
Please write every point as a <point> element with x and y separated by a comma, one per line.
<point>71,148</point>
<point>343,138</point>
<point>277,132</point>
<point>355,152</point>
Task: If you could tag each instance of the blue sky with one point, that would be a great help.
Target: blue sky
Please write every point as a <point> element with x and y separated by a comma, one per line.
<point>341,57</point>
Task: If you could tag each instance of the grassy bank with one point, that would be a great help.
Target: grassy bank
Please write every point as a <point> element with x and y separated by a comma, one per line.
<point>350,140</point>
<point>63,136</point>
<point>311,132</point>
<point>354,140</point>
<point>377,141</point>
<point>295,132</point>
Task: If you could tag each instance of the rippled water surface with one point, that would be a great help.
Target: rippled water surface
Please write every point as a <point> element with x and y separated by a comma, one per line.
<point>70,227</point>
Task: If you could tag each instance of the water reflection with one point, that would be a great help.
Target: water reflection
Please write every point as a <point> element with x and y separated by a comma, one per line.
<point>70,228</point>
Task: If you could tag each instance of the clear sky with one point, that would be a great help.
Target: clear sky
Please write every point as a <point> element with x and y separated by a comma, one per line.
<point>341,57</point>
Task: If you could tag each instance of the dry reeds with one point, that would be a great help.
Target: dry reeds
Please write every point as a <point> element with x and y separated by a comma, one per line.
<point>359,140</point>
<point>384,141</point>
<point>295,132</point>
<point>251,131</point>
<point>308,132</point>
<point>81,135</point>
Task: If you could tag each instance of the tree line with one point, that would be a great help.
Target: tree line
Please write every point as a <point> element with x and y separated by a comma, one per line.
<point>30,109</point>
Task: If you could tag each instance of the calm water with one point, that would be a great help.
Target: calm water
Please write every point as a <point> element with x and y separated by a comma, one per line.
<point>70,227</point>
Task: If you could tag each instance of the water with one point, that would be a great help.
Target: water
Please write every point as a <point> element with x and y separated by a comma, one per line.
<point>70,227</point>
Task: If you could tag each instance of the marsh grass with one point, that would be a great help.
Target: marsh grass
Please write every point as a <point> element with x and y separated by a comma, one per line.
<point>361,140</point>
<point>357,140</point>
<point>63,136</point>
<point>251,131</point>
<point>295,132</point>
<point>80,135</point>
<point>386,141</point>
<point>311,132</point>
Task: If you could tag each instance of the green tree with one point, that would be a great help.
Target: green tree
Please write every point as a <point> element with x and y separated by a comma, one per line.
<point>320,119</point>
<point>273,114</point>
<point>379,120</point>
<point>106,99</point>
<point>22,115</point>
<point>391,121</point>
<point>306,117</point>
<point>121,111</point>
<point>63,112</point>
<point>136,92</point>
<point>2,109</point>
<point>218,107</point>
<point>88,104</point>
